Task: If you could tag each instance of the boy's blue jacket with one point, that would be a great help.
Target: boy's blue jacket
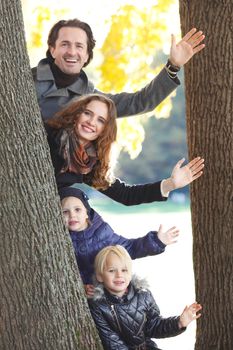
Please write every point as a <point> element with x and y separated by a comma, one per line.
<point>89,242</point>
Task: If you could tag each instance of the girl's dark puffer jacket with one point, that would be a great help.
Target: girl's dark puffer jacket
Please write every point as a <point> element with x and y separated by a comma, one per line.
<point>131,321</point>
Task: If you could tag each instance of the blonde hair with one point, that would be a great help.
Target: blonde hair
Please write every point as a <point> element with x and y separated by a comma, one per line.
<point>101,257</point>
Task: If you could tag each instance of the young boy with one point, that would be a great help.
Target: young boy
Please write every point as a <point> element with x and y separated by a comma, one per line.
<point>124,310</point>
<point>89,234</point>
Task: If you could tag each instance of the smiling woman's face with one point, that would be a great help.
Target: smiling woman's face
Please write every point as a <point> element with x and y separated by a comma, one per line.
<point>91,122</point>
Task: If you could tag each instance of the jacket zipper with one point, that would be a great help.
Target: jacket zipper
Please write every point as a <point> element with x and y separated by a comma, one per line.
<point>114,314</point>
<point>142,325</point>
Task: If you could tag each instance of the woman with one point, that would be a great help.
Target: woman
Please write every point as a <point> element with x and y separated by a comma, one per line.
<point>80,138</point>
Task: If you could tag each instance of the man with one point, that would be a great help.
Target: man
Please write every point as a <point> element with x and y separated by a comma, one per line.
<point>60,77</point>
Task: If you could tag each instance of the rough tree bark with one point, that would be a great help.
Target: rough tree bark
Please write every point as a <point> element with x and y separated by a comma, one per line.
<point>209,106</point>
<point>41,297</point>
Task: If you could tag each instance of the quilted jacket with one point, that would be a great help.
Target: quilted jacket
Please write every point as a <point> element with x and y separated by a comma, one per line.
<point>89,242</point>
<point>131,321</point>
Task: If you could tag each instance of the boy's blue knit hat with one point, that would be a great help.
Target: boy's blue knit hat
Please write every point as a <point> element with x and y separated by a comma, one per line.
<point>75,192</point>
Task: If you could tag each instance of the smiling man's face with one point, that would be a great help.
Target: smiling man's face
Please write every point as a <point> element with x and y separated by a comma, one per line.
<point>70,51</point>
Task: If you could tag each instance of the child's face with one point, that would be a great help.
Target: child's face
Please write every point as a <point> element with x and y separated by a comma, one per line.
<point>75,214</point>
<point>91,122</point>
<point>116,275</point>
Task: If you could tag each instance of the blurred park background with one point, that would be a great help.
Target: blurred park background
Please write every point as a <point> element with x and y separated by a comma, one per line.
<point>132,44</point>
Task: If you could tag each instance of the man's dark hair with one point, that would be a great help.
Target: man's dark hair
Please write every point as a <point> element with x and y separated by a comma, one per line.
<point>73,23</point>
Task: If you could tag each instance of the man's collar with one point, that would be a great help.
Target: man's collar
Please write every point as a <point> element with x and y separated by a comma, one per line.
<point>44,73</point>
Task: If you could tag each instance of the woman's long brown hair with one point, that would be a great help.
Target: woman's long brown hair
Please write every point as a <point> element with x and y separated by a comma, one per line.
<point>66,118</point>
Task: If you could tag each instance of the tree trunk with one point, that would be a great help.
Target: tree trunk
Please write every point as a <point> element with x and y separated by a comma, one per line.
<point>42,301</point>
<point>209,107</point>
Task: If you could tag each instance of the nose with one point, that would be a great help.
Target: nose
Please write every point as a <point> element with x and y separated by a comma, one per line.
<point>71,50</point>
<point>92,120</point>
<point>71,214</point>
<point>118,273</point>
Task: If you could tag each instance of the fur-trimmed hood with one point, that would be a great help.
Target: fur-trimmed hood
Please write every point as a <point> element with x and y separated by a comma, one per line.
<point>136,282</point>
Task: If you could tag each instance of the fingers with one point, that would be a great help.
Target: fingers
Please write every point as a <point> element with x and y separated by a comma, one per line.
<point>178,164</point>
<point>173,234</point>
<point>189,34</point>
<point>195,161</point>
<point>174,231</point>
<point>194,308</point>
<point>196,39</point>
<point>89,289</point>
<point>198,48</point>
<point>169,236</point>
<point>173,40</point>
<point>193,37</point>
<point>196,166</point>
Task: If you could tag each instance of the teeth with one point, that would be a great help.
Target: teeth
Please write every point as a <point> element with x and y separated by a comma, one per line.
<point>71,61</point>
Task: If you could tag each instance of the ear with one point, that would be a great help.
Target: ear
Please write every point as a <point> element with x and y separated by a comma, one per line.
<point>51,49</point>
<point>99,277</point>
<point>87,57</point>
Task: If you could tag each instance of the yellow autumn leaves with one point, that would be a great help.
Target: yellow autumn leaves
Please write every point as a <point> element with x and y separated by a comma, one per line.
<point>130,55</point>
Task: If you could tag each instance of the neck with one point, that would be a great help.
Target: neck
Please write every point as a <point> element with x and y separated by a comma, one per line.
<point>62,79</point>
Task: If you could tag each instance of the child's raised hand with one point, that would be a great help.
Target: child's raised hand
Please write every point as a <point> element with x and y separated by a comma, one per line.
<point>168,237</point>
<point>89,289</point>
<point>189,314</point>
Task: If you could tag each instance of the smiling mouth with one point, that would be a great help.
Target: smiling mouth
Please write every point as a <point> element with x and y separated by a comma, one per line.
<point>71,223</point>
<point>70,60</point>
<point>87,129</point>
<point>119,283</point>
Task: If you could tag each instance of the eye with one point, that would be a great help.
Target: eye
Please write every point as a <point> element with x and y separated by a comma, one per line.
<point>124,270</point>
<point>65,212</point>
<point>102,120</point>
<point>111,270</point>
<point>77,209</point>
<point>86,112</point>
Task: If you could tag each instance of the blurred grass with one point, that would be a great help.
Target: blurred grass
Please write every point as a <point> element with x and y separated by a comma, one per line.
<point>176,203</point>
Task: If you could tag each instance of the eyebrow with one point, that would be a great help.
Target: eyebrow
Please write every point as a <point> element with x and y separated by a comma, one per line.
<point>79,207</point>
<point>100,116</point>
<point>76,42</point>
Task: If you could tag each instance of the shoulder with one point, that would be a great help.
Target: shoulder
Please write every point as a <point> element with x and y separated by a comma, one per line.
<point>42,71</point>
<point>99,295</point>
<point>89,84</point>
<point>140,283</point>
<point>34,72</point>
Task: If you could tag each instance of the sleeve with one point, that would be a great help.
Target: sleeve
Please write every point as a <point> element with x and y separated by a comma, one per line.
<point>147,98</point>
<point>110,339</point>
<point>159,327</point>
<point>139,247</point>
<point>134,194</point>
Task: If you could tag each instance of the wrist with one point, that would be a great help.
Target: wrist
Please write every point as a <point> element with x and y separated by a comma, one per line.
<point>173,66</point>
<point>171,70</point>
<point>180,324</point>
<point>167,186</point>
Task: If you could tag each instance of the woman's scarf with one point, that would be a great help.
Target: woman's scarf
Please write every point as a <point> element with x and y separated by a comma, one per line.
<point>78,159</point>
